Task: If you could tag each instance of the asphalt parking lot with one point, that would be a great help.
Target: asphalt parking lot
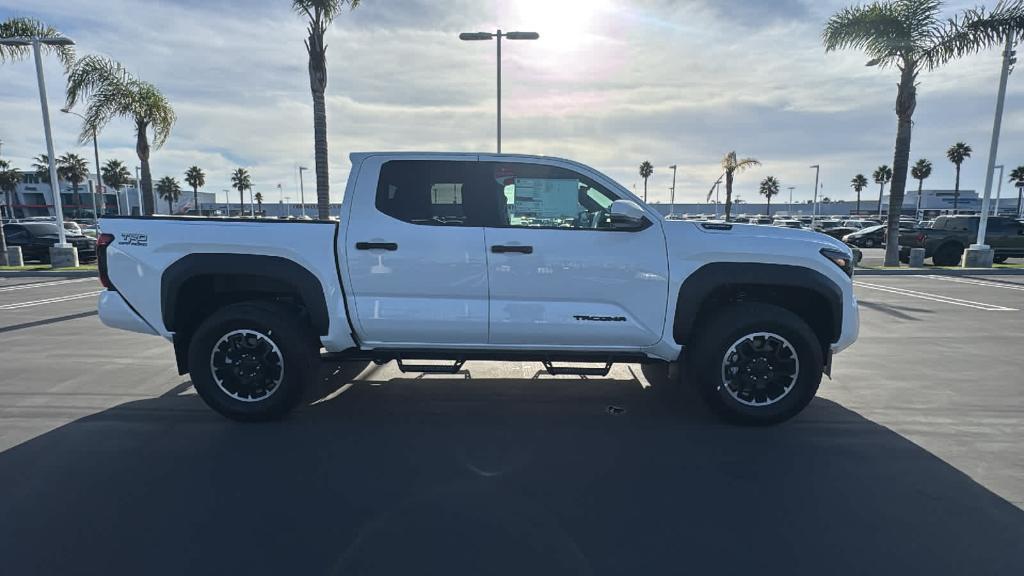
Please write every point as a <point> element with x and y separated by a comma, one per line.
<point>908,462</point>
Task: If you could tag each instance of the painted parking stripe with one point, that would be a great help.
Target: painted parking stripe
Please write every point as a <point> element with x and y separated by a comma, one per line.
<point>937,298</point>
<point>977,282</point>
<point>48,300</point>
<point>44,284</point>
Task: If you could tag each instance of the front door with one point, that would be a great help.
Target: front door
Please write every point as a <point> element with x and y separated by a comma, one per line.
<point>415,254</point>
<point>560,277</point>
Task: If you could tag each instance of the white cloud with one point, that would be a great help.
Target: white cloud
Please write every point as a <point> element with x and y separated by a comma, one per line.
<point>608,84</point>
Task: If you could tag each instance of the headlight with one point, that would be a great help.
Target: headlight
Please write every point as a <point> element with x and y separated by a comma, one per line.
<point>842,259</point>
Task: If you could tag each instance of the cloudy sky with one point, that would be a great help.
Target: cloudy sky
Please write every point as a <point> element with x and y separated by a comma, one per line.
<point>609,84</point>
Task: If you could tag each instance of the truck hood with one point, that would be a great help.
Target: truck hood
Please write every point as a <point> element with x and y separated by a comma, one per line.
<point>765,236</point>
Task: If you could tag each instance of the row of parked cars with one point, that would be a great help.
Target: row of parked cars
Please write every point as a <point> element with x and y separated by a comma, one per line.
<point>35,237</point>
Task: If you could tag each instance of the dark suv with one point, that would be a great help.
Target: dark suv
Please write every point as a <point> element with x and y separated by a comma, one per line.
<point>36,238</point>
<point>946,240</point>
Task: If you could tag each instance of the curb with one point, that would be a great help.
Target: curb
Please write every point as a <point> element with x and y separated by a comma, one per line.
<point>939,272</point>
<point>47,274</point>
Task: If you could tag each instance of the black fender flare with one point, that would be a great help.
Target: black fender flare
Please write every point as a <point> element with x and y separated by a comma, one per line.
<point>289,272</point>
<point>707,279</point>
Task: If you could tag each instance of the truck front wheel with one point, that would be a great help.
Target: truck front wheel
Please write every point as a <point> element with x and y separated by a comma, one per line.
<point>756,363</point>
<point>250,361</point>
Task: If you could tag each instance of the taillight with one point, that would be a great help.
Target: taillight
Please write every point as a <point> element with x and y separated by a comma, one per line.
<point>102,242</point>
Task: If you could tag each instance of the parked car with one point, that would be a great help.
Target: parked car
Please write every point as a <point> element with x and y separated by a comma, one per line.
<point>948,236</point>
<point>36,238</point>
<point>859,224</point>
<point>761,220</point>
<point>869,237</point>
<point>486,257</point>
<point>839,232</point>
<point>788,224</point>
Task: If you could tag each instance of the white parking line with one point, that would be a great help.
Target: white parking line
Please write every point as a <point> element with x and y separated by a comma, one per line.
<point>44,284</point>
<point>937,298</point>
<point>977,282</point>
<point>48,300</point>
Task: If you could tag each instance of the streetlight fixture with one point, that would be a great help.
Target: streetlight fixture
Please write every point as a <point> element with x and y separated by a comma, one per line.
<point>36,43</point>
<point>471,36</point>
<point>814,208</point>
<point>96,154</point>
<point>302,191</point>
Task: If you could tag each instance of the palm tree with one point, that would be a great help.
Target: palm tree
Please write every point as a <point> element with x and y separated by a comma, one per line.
<point>240,181</point>
<point>259,203</point>
<point>319,15</point>
<point>921,171</point>
<point>859,183</point>
<point>73,168</point>
<point>116,175</point>
<point>956,154</point>
<point>909,35</point>
<point>169,189</point>
<point>8,181</point>
<point>882,176</point>
<point>32,28</point>
<point>769,188</point>
<point>196,178</point>
<point>41,166</point>
<point>112,92</point>
<point>732,166</point>
<point>646,170</point>
<point>1017,177</point>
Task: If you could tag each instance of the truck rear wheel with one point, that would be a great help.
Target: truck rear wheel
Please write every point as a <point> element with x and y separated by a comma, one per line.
<point>948,255</point>
<point>756,363</point>
<point>251,361</point>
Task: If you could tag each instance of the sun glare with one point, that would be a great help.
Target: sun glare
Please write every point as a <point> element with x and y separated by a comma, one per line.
<point>562,24</point>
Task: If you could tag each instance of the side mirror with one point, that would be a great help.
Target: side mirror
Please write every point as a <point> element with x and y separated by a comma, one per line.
<point>627,215</point>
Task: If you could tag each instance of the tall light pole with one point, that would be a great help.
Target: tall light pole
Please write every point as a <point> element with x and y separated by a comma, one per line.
<point>999,191</point>
<point>814,207</point>
<point>791,188</point>
<point>36,44</point>
<point>302,192</point>
<point>469,36</point>
<point>227,202</point>
<point>672,192</point>
<point>138,187</point>
<point>96,154</point>
<point>1008,61</point>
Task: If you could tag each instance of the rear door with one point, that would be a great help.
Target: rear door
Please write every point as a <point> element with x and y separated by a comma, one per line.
<point>414,252</point>
<point>560,277</point>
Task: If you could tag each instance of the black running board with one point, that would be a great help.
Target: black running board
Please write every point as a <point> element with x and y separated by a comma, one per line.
<point>431,368</point>
<point>577,370</point>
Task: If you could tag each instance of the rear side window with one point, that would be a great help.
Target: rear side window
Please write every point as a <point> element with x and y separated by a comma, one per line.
<point>15,233</point>
<point>432,192</point>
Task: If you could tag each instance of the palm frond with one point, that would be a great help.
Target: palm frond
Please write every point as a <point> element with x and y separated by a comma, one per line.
<point>877,28</point>
<point>32,28</point>
<point>745,163</point>
<point>975,30</point>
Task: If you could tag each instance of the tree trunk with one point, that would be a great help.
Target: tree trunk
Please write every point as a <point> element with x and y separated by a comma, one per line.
<point>906,102</point>
<point>241,202</point>
<point>920,185</point>
<point>728,195</point>
<point>1020,192</point>
<point>195,200</point>
<point>956,191</point>
<point>769,211</point>
<point>170,208</point>
<point>142,149</point>
<point>323,186</point>
<point>645,189</point>
<point>881,192</point>
<point>858,202</point>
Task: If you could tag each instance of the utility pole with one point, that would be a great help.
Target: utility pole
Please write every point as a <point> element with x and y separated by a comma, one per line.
<point>999,191</point>
<point>672,192</point>
<point>979,244</point>
<point>302,192</point>
<point>814,208</point>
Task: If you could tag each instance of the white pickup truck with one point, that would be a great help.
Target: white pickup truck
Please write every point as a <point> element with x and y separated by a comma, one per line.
<point>455,257</point>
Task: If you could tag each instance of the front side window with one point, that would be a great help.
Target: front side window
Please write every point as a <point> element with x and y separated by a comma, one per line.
<point>538,196</point>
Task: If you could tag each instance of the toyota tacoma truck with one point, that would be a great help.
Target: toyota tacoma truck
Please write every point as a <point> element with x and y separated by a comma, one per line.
<point>456,257</point>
